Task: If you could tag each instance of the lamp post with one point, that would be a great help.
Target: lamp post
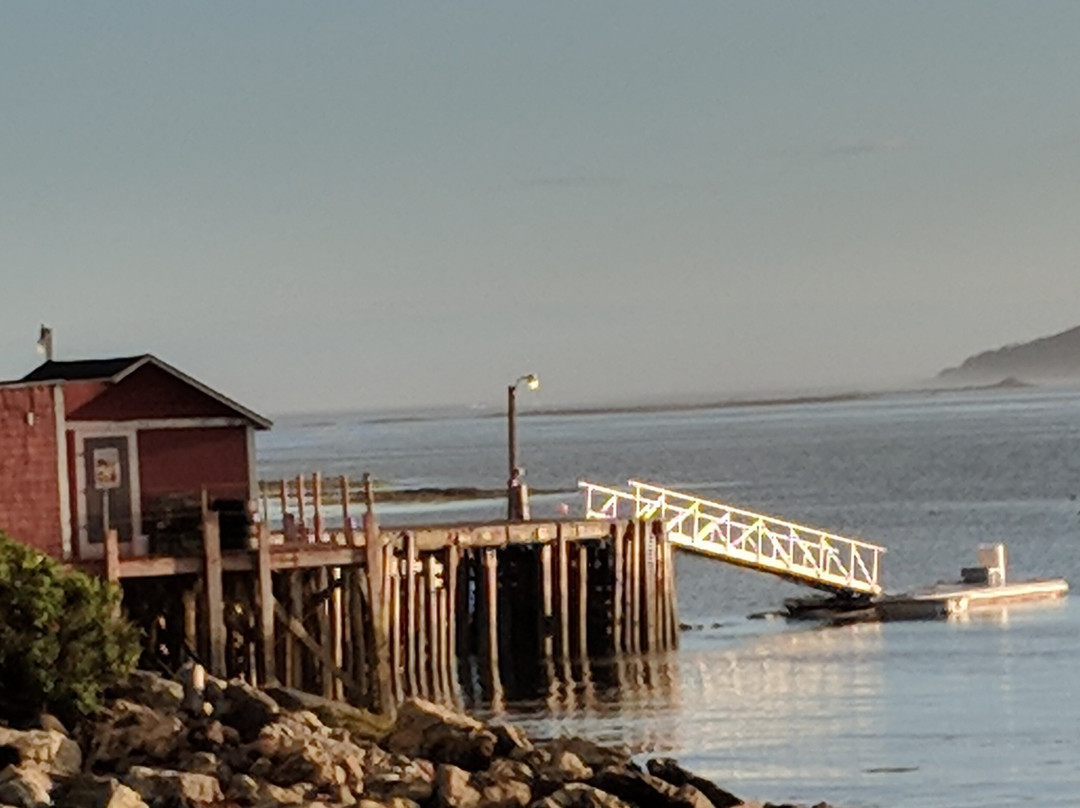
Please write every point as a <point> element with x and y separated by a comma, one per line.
<point>514,509</point>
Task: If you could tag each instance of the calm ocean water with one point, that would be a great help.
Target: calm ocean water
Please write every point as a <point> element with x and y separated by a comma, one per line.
<point>982,712</point>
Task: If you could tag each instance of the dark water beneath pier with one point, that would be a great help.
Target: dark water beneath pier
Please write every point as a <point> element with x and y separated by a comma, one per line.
<point>982,712</point>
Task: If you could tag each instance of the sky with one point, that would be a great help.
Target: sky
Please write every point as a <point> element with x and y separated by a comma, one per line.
<point>346,205</point>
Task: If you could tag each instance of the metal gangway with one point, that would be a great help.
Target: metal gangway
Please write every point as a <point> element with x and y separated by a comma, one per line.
<point>796,552</point>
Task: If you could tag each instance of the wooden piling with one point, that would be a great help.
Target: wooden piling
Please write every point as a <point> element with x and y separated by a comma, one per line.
<point>301,522</point>
<point>212,587</point>
<point>433,627</point>
<point>294,666</point>
<point>582,619</point>
<point>491,620</point>
<point>649,575</point>
<point>563,584</point>
<point>324,607</point>
<point>634,576</point>
<point>337,627</point>
<point>412,677</point>
<point>377,570</point>
<point>547,591</point>
<point>189,601</point>
<point>450,582</point>
<point>618,541</point>
<point>316,506</point>
<point>265,582</point>
<point>396,662</point>
<point>673,599</point>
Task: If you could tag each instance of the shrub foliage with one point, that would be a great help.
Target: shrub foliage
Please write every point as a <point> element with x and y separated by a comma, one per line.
<point>62,641</point>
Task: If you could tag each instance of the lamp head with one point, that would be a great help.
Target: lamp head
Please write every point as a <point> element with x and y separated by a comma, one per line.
<point>531,381</point>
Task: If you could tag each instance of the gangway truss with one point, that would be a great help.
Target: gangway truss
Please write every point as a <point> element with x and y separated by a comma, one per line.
<point>799,553</point>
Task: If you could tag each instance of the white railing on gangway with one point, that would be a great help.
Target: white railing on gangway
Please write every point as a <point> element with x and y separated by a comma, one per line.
<point>744,537</point>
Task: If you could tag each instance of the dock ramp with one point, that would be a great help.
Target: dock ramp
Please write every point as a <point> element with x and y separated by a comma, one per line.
<point>796,552</point>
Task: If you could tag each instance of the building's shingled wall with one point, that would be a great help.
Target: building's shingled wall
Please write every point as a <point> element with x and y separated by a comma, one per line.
<point>29,484</point>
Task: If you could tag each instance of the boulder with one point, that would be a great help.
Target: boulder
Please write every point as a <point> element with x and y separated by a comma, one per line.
<point>51,722</point>
<point>312,764</point>
<point>173,787</point>
<point>151,690</point>
<point>428,730</point>
<point>506,794</point>
<point>201,763</point>
<point>89,791</point>
<point>670,771</point>
<point>580,795</point>
<point>130,732</point>
<point>243,789</point>
<point>212,735</point>
<point>563,767</point>
<point>360,723</point>
<point>25,786</point>
<point>509,739</point>
<point>506,769</point>
<point>647,791</point>
<point>396,802</point>
<point>50,749</point>
<point>397,776</point>
<point>592,754</point>
<point>454,789</point>
<point>298,749</point>
<point>247,709</point>
<point>272,796</point>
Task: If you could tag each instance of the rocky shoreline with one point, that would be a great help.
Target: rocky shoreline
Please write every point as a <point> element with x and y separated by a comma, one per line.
<point>205,743</point>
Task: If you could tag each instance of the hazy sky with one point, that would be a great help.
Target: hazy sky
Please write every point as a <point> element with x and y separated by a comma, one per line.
<point>355,205</point>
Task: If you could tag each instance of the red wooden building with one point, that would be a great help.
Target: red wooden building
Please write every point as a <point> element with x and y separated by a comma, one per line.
<point>129,443</point>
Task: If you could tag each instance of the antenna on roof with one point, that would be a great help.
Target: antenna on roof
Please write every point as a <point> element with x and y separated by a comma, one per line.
<point>44,343</point>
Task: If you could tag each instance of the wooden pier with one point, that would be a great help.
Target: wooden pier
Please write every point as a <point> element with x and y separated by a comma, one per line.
<point>373,614</point>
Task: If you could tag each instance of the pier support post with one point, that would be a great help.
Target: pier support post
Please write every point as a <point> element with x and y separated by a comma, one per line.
<point>547,603</point>
<point>396,661</point>
<point>618,542</point>
<point>422,632</point>
<point>649,573</point>
<point>491,618</point>
<point>582,618</point>
<point>450,582</point>
<point>563,563</point>
<point>412,674</point>
<point>635,575</point>
<point>265,585</point>
<point>215,599</point>
<point>376,571</point>
<point>434,628</point>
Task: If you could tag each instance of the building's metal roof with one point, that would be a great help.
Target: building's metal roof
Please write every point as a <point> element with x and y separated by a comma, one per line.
<point>81,370</point>
<point>117,369</point>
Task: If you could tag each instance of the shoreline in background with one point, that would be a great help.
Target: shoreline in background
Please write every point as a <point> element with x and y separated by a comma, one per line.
<point>404,416</point>
<point>1009,383</point>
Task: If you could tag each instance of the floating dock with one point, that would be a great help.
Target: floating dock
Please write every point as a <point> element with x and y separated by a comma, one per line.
<point>980,586</point>
<point>946,600</point>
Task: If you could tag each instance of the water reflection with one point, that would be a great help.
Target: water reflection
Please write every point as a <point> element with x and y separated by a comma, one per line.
<point>1004,615</point>
<point>743,700</point>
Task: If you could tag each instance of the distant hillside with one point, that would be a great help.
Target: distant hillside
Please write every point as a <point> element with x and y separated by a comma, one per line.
<point>1054,358</point>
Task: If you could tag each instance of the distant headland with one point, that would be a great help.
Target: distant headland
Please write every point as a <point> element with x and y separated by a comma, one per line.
<point>1048,359</point>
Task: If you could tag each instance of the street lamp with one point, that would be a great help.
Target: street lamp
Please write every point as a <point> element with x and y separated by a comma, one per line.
<point>515,509</point>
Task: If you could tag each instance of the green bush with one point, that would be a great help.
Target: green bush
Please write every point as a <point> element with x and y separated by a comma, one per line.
<point>62,641</point>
